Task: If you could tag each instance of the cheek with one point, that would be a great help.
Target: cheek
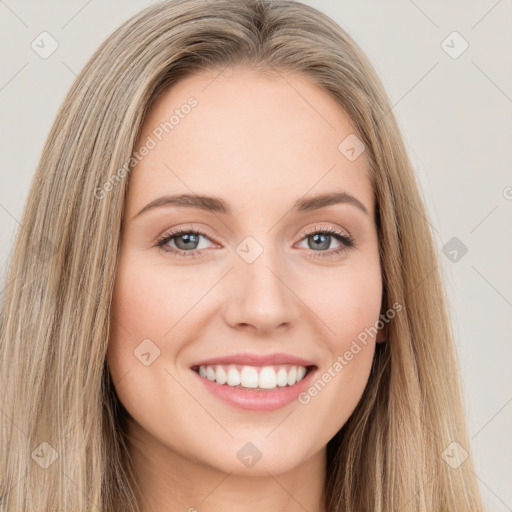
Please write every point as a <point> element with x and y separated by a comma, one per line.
<point>136,317</point>
<point>150,307</point>
<point>149,303</point>
<point>347,300</point>
<point>349,306</point>
<point>144,309</point>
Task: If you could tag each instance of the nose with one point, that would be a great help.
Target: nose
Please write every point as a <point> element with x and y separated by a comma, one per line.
<point>260,296</point>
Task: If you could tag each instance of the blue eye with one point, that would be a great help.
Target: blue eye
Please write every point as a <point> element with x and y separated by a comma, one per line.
<point>186,242</point>
<point>323,238</point>
<point>187,239</point>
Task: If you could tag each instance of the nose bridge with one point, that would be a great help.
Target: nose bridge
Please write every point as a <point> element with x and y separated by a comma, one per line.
<point>259,294</point>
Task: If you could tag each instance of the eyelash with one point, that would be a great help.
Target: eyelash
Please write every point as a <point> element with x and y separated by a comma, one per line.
<point>347,242</point>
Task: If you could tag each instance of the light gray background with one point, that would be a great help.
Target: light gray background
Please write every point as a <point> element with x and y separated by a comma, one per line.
<point>455,114</point>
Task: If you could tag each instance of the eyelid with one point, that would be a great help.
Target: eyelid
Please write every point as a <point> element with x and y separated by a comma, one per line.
<point>329,229</point>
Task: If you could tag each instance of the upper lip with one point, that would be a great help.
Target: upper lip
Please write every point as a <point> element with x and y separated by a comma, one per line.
<point>256,360</point>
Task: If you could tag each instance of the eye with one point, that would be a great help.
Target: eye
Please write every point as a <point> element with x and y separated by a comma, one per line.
<point>322,238</point>
<point>186,242</point>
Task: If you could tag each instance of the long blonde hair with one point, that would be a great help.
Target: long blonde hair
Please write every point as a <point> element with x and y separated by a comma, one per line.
<point>63,440</point>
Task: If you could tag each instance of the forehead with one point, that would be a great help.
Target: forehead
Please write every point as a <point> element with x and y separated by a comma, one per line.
<point>248,137</point>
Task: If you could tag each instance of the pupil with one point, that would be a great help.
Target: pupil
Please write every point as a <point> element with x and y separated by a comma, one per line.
<point>325,243</point>
<point>187,239</point>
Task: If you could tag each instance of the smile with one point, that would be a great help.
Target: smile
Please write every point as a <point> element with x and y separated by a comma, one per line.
<point>253,377</point>
<point>254,382</point>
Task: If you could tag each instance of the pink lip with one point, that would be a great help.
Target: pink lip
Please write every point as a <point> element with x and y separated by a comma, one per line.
<point>256,360</point>
<point>265,400</point>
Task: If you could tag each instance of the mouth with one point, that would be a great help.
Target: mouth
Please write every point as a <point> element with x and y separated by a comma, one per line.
<point>255,382</point>
<point>254,378</point>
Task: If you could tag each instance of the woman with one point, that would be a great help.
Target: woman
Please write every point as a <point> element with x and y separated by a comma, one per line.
<point>300,356</point>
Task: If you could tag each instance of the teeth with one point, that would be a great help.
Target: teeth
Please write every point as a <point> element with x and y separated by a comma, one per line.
<point>292,376</point>
<point>249,377</point>
<point>220,375</point>
<point>282,377</point>
<point>233,377</point>
<point>210,373</point>
<point>267,377</point>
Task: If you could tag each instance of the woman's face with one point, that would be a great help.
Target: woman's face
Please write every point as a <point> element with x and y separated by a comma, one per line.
<point>273,284</point>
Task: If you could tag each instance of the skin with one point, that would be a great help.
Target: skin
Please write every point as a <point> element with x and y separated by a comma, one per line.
<point>260,142</point>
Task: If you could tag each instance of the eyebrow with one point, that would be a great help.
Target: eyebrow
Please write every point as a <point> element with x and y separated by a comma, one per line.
<point>219,205</point>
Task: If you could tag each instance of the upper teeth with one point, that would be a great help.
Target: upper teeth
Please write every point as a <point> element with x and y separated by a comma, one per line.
<point>266,377</point>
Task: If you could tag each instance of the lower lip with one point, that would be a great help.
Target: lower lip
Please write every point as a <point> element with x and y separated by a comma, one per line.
<point>267,400</point>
